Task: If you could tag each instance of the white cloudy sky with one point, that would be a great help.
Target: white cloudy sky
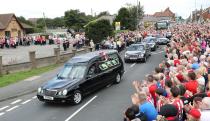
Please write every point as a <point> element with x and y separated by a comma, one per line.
<point>53,8</point>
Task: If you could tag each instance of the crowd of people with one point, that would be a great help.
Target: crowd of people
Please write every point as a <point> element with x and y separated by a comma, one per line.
<point>13,42</point>
<point>178,89</point>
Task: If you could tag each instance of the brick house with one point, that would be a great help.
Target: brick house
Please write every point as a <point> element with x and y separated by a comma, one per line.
<point>167,14</point>
<point>10,26</point>
<point>206,14</point>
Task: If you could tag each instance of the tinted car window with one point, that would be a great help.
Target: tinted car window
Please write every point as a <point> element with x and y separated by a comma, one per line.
<point>73,72</point>
<point>136,48</point>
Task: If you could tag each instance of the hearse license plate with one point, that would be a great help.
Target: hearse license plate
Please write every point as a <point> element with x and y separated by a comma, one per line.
<point>48,98</point>
<point>133,58</point>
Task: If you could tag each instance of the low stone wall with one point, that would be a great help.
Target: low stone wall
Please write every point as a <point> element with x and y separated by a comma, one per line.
<point>40,62</point>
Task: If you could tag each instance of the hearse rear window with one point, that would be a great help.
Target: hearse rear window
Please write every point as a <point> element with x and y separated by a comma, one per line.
<point>112,61</point>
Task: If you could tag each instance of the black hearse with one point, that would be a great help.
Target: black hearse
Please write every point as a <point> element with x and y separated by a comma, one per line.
<point>82,75</point>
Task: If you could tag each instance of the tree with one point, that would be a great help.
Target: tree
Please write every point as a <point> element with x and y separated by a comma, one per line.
<point>128,16</point>
<point>104,13</point>
<point>123,17</point>
<point>58,22</point>
<point>75,19</point>
<point>98,30</point>
<point>134,16</point>
<point>23,20</point>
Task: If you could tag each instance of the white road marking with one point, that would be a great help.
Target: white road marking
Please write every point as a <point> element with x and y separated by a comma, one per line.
<point>75,113</point>
<point>3,108</point>
<point>16,101</point>
<point>32,78</point>
<point>12,108</point>
<point>133,65</point>
<point>34,97</point>
<point>155,53</point>
<point>2,114</point>
<point>26,101</point>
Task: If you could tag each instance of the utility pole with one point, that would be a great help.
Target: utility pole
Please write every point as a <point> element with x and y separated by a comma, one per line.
<point>195,13</point>
<point>45,23</point>
<point>137,14</point>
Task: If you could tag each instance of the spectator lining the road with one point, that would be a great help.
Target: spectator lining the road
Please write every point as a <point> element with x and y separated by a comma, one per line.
<point>183,76</point>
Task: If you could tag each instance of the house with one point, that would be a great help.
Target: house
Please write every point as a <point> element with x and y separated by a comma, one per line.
<point>11,27</point>
<point>201,15</point>
<point>206,14</point>
<point>167,14</point>
<point>149,20</point>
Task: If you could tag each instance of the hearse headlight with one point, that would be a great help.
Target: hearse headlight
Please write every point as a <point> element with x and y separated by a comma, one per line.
<point>39,90</point>
<point>141,55</point>
<point>64,92</point>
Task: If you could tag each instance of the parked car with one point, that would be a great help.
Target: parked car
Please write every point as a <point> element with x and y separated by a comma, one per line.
<point>163,41</point>
<point>152,41</point>
<point>82,75</point>
<point>137,52</point>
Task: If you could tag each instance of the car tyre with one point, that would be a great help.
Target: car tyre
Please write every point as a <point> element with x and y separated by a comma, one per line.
<point>77,97</point>
<point>118,78</point>
<point>126,61</point>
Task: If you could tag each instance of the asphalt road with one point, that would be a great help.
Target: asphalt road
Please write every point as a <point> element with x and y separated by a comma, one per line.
<point>107,104</point>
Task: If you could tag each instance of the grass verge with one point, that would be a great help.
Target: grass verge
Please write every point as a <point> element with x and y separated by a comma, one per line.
<point>18,76</point>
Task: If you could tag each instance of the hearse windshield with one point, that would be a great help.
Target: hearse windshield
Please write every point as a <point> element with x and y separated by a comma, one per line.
<point>72,72</point>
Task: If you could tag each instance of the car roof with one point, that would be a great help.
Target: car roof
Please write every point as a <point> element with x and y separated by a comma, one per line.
<point>89,56</point>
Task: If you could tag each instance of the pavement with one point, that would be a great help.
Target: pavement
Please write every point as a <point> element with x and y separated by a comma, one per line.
<point>106,104</point>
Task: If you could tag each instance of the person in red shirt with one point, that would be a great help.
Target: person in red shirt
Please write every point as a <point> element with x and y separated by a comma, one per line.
<point>176,101</point>
<point>159,95</point>
<point>176,60</point>
<point>192,84</point>
<point>152,87</point>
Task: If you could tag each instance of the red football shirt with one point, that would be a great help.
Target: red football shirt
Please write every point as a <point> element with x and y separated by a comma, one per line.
<point>192,86</point>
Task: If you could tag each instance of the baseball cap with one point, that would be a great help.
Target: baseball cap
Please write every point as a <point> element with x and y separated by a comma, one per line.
<point>169,111</point>
<point>195,113</point>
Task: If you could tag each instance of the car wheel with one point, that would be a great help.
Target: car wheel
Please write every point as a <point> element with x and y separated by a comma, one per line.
<point>118,78</point>
<point>77,97</point>
<point>126,61</point>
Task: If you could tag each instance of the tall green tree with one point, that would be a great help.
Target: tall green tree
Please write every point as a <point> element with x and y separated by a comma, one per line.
<point>129,17</point>
<point>104,13</point>
<point>75,19</point>
<point>123,17</point>
<point>98,30</point>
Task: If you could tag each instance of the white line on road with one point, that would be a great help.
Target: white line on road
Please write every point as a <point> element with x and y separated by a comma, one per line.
<point>133,65</point>
<point>3,108</point>
<point>26,101</point>
<point>16,101</point>
<point>75,113</point>
<point>2,114</point>
<point>34,97</point>
<point>12,108</point>
<point>153,53</point>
